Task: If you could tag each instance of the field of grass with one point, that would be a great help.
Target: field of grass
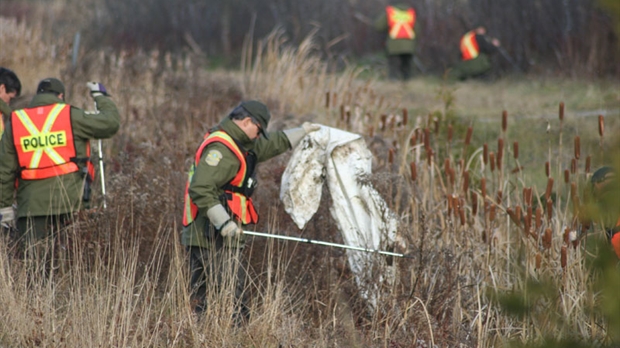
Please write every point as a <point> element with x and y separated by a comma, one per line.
<point>493,258</point>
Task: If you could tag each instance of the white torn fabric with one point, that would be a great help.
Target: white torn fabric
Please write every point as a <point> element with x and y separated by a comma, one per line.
<point>364,219</point>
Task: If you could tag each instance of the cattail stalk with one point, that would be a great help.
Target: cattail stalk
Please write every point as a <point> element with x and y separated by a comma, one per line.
<point>515,149</point>
<point>546,240</point>
<point>470,131</point>
<point>504,121</point>
<point>549,188</point>
<point>414,171</point>
<point>577,147</point>
<point>405,116</point>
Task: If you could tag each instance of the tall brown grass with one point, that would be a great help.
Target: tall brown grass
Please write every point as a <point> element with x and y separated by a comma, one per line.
<point>468,219</point>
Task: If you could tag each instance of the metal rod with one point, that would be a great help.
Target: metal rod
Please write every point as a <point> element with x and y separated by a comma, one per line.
<point>318,242</point>
<point>102,175</point>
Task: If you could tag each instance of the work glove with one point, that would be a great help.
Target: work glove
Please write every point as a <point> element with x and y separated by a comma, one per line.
<point>222,221</point>
<point>96,89</point>
<point>231,229</point>
<point>7,215</point>
<point>295,135</point>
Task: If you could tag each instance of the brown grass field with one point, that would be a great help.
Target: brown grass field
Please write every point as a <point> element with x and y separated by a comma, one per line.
<point>487,228</point>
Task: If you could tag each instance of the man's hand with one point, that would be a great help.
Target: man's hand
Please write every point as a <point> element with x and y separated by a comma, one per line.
<point>96,89</point>
<point>310,127</point>
<point>7,215</point>
<point>231,229</point>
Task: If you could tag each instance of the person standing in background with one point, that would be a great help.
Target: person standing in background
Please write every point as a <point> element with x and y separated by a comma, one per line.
<point>400,22</point>
<point>475,47</point>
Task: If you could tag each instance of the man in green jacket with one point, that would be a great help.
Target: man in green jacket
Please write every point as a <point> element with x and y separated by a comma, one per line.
<point>45,157</point>
<point>401,25</point>
<point>475,51</point>
<point>218,198</point>
<point>10,87</point>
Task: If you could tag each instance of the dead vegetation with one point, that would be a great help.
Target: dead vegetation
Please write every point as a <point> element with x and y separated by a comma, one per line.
<point>478,229</point>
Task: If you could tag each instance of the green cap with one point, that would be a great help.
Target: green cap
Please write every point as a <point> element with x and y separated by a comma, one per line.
<point>51,85</point>
<point>260,112</point>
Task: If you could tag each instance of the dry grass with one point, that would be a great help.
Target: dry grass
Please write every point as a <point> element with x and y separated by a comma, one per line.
<point>124,280</point>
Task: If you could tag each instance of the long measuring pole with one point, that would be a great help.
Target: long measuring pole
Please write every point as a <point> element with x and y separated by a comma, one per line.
<point>318,242</point>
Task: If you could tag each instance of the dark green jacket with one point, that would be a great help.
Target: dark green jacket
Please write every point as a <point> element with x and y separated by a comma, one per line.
<point>61,194</point>
<point>399,46</point>
<point>207,182</point>
<point>5,112</point>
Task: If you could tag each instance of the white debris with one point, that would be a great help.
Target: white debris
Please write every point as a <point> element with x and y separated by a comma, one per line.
<point>364,219</point>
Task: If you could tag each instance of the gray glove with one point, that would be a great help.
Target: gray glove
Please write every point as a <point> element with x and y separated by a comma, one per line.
<point>7,214</point>
<point>295,135</point>
<point>231,229</point>
<point>96,89</point>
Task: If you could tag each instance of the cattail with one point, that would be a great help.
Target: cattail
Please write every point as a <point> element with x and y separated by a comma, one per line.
<point>427,139</point>
<point>538,260</point>
<point>566,176</point>
<point>577,147</point>
<point>549,188</point>
<point>462,215</point>
<point>492,160</point>
<point>499,197</point>
<point>529,196</point>
<point>513,216</point>
<point>538,217</point>
<point>446,166</point>
<point>483,188</point>
<point>492,212</point>
<point>573,166</point>
<point>566,236</point>
<point>436,124</point>
<point>474,203</point>
<point>528,219</point>
<point>327,100</point>
<point>465,181</point>
<point>549,209</point>
<point>547,168</point>
<point>429,156</point>
<point>485,153</point>
<point>563,257</point>
<point>412,140</point>
<point>414,171</point>
<point>391,156</point>
<point>562,111</point>
<point>383,122</point>
<point>342,112</point>
<point>518,214</point>
<point>405,116</point>
<point>546,240</point>
<point>504,121</point>
<point>588,163</point>
<point>601,125</point>
<point>450,204</point>
<point>450,130</point>
<point>347,117</point>
<point>515,149</point>
<point>470,131</point>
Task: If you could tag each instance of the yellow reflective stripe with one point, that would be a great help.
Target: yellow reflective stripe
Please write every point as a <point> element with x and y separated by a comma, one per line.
<point>27,122</point>
<point>49,122</point>
<point>468,46</point>
<point>227,137</point>
<point>188,202</point>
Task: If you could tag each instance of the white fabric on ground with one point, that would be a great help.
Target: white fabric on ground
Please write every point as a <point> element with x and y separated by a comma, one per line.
<point>364,219</point>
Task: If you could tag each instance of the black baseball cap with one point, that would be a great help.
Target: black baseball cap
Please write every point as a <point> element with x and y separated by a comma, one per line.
<point>260,112</point>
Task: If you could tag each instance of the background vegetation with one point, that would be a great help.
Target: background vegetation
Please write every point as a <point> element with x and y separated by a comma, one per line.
<point>482,273</point>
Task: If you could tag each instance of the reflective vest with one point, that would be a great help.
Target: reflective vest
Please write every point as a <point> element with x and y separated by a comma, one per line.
<point>469,46</point>
<point>237,191</point>
<point>43,139</point>
<point>400,23</point>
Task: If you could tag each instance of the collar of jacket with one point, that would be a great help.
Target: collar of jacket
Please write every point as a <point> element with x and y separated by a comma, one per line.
<point>5,109</point>
<point>44,99</point>
<point>236,133</point>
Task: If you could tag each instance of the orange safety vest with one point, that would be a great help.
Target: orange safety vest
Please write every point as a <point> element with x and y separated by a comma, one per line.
<point>239,204</point>
<point>400,23</point>
<point>43,139</point>
<point>469,46</point>
<point>615,238</point>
